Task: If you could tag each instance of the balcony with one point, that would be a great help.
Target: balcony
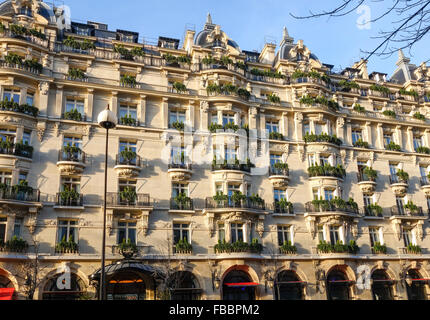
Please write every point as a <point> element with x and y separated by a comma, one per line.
<point>128,165</point>
<point>405,212</point>
<point>366,184</point>
<point>128,121</point>
<point>114,199</point>
<point>425,185</point>
<point>231,167</point>
<point>70,202</point>
<point>325,206</point>
<point>399,186</point>
<point>19,150</point>
<point>374,211</point>
<point>12,194</point>
<point>183,205</point>
<point>246,203</point>
<point>279,176</point>
<point>40,41</point>
<point>180,171</point>
<point>280,209</point>
<point>71,162</point>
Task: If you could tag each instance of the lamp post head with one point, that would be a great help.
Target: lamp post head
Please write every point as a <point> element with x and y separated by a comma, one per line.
<point>107,119</point>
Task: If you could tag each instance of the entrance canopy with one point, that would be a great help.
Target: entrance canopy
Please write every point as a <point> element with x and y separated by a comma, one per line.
<point>123,265</point>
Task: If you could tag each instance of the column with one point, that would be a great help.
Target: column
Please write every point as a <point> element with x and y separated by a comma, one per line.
<point>114,102</point>
<point>367,134</point>
<point>141,110</point>
<point>263,124</point>
<point>298,125</point>
<point>283,124</point>
<point>43,98</point>
<point>219,114</point>
<point>190,115</point>
<point>204,115</point>
<point>340,131</point>
<point>399,136</point>
<point>252,116</point>
<point>312,126</point>
<point>380,137</point>
<point>348,139</point>
<point>237,118</point>
<point>59,101</point>
<point>22,96</point>
<point>89,105</point>
<point>410,140</point>
<point>165,113</point>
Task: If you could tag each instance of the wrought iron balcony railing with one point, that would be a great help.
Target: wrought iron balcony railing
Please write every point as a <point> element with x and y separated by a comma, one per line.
<point>78,156</point>
<point>115,199</point>
<point>402,211</point>
<point>277,208</point>
<point>279,172</point>
<point>184,205</point>
<point>68,201</point>
<point>326,206</point>
<point>121,161</point>
<point>11,193</point>
<point>230,203</point>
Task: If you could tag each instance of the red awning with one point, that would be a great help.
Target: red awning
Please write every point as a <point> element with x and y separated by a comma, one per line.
<point>6,293</point>
<point>241,284</point>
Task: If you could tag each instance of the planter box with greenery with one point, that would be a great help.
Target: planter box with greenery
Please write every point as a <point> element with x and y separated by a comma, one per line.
<point>374,210</point>
<point>276,136</point>
<point>23,150</point>
<point>324,137</point>
<point>69,197</point>
<point>411,93</point>
<point>180,126</point>
<point>273,98</point>
<point>284,207</point>
<point>76,73</point>
<point>73,115</point>
<point>361,144</point>
<point>308,100</point>
<point>127,248</point>
<point>369,174</point>
<point>15,107</point>
<point>413,249</point>
<point>128,81</point>
<point>214,127</point>
<point>379,88</point>
<point>67,246</point>
<point>358,108</point>
<point>419,116</point>
<point>182,202</point>
<point>411,208</point>
<point>327,171</point>
<point>393,147</point>
<point>128,120</point>
<point>422,149</point>
<point>403,176</point>
<point>379,248</point>
<point>179,87</point>
<point>14,245</point>
<point>347,85</point>
<point>183,247</point>
<point>128,156</point>
<point>288,248</point>
<point>79,45</point>
<point>389,113</point>
<point>128,196</point>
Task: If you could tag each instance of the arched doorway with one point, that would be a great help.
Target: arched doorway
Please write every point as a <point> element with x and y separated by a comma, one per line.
<point>417,289</point>
<point>7,289</point>
<point>288,286</point>
<point>56,288</point>
<point>382,286</point>
<point>238,285</point>
<point>183,285</point>
<point>126,284</point>
<point>337,285</point>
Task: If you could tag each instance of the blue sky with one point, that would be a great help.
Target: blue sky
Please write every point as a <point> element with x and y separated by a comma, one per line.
<point>335,41</point>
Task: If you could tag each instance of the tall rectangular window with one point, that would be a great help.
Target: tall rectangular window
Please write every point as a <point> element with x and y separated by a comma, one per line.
<point>75,104</point>
<point>227,118</point>
<point>30,99</point>
<point>284,235</point>
<point>230,155</point>
<point>334,234</point>
<point>388,138</point>
<point>181,231</point>
<point>407,237</point>
<point>357,134</point>
<point>3,222</point>
<point>275,158</point>
<point>272,126</point>
<point>321,233</point>
<point>328,194</point>
<point>176,116</point>
<point>67,230</point>
<point>221,232</point>
<point>6,177</point>
<point>279,194</point>
<point>307,128</point>
<point>374,236</point>
<point>71,184</point>
<point>393,173</point>
<point>418,142</point>
<point>178,188</point>
<point>367,199</point>
<point>400,204</point>
<point>128,111</point>
<point>17,227</point>
<point>236,232</point>
<point>214,118</point>
<point>11,95</point>
<point>127,231</point>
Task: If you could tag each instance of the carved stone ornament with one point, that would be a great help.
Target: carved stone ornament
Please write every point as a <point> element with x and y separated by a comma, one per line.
<point>298,117</point>
<point>340,122</point>
<point>204,106</point>
<point>125,171</point>
<point>179,174</point>
<point>312,226</point>
<point>41,128</point>
<point>69,168</point>
<point>367,187</point>
<point>144,223</point>
<point>44,88</point>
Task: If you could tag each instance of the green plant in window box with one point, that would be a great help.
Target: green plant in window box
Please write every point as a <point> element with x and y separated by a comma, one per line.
<point>411,93</point>
<point>73,115</point>
<point>179,87</point>
<point>178,125</point>
<point>128,80</point>
<point>127,248</point>
<point>22,187</point>
<point>243,93</point>
<point>214,127</point>
<point>379,248</point>
<point>338,203</point>
<point>339,247</point>
<point>256,199</point>
<point>237,197</point>
<point>128,120</point>
<point>137,52</point>
<point>240,65</point>
<point>3,187</point>
<point>352,204</point>
<point>240,246</point>
<point>33,65</point>
<point>209,60</point>
<point>370,173</point>
<point>71,149</point>
<point>128,195</point>
<point>361,144</point>
<point>223,247</point>
<point>66,246</point>
<point>358,108</point>
<point>389,113</point>
<point>220,197</point>
<point>284,205</point>
<point>375,210</point>
<point>16,245</point>
<point>379,88</point>
<point>184,59</point>
<point>225,61</point>
<point>411,208</point>
<point>414,249</point>
<point>23,149</point>
<point>76,73</point>
<point>128,154</point>
<point>72,43</point>
<point>403,175</point>
<point>322,205</point>
<point>353,248</point>
<point>87,44</point>
<point>288,248</point>
<point>13,59</point>
<point>276,136</point>
<point>419,116</point>
<point>273,98</point>
<point>324,247</point>
<point>183,246</point>
<point>182,200</point>
<point>347,85</point>
<point>423,149</point>
<point>255,246</point>
<point>231,126</point>
<point>393,146</point>
<point>281,166</point>
<point>69,195</point>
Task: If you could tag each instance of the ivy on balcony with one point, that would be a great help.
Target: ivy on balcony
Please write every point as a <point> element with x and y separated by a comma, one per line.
<point>379,248</point>
<point>276,136</point>
<point>423,149</point>
<point>358,108</point>
<point>308,100</point>
<point>311,74</point>
<point>32,64</point>
<point>238,247</point>
<point>15,107</point>
<point>19,30</point>
<point>179,87</point>
<point>76,73</point>
<point>14,245</point>
<point>347,85</point>
<point>127,80</point>
<point>414,249</point>
<point>273,98</point>
<point>379,88</point>
<point>419,116</point>
<point>338,247</point>
<point>183,246</point>
<point>411,93</point>
<point>389,113</point>
<point>73,115</point>
<point>288,248</point>
<point>324,137</point>
<point>267,73</point>
<point>79,45</point>
<point>68,246</point>
<point>175,60</point>
<point>327,171</point>
<point>361,144</point>
<point>393,146</point>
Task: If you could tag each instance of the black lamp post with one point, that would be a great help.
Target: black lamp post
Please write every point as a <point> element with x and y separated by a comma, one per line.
<point>108,120</point>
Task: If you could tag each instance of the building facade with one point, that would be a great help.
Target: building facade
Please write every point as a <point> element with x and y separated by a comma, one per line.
<point>232,174</point>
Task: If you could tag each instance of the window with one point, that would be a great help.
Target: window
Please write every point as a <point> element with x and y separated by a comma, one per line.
<point>227,118</point>
<point>374,236</point>
<point>393,172</point>
<point>17,227</point>
<point>307,128</point>
<point>356,135</point>
<point>178,155</point>
<point>334,234</point>
<point>126,183</point>
<point>284,235</point>
<point>73,104</point>
<point>423,173</point>
<point>3,222</point>
<point>236,232</point>
<point>324,160</point>
<point>22,177</point>
<point>26,137</point>
<point>272,126</point>
<point>218,188</point>
<point>214,118</point>
<point>81,31</point>
<point>221,232</point>
<point>181,232</point>
<point>328,194</point>
<point>131,146</point>
<point>407,237</point>
<point>275,158</point>
<point>315,194</point>
<point>127,231</point>
<point>178,188</point>
<point>232,188</point>
<point>7,135</point>
<point>399,202</point>
<point>26,11</point>
<point>388,138</point>
<point>30,99</point>
<point>71,184</point>
<point>6,177</point>
<point>67,230</point>
<point>230,155</point>
<point>418,142</point>
<point>11,95</point>
<point>312,160</point>
<point>127,111</point>
<point>72,141</point>
<point>279,194</point>
<point>367,199</point>
<point>318,129</point>
<point>176,116</point>
<point>321,233</point>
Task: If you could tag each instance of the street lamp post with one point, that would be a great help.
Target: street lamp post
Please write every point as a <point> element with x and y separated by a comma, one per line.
<point>107,120</point>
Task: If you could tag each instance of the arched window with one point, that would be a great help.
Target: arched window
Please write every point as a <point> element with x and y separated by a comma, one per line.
<point>382,286</point>
<point>337,285</point>
<point>183,285</point>
<point>288,286</point>
<point>60,290</point>
<point>417,290</point>
<point>237,285</point>
<point>126,284</point>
